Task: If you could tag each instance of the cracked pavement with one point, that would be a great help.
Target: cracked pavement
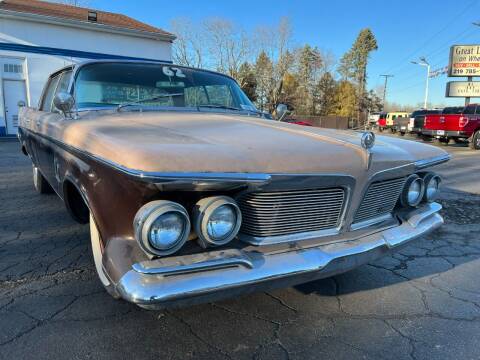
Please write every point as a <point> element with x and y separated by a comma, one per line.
<point>423,302</point>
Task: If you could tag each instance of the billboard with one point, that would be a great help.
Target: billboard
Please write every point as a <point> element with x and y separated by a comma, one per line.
<point>464,60</point>
<point>463,89</point>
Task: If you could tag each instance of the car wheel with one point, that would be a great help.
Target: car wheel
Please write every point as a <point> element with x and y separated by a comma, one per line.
<point>475,142</point>
<point>380,129</point>
<point>40,184</point>
<point>97,258</point>
<point>402,133</point>
<point>442,141</point>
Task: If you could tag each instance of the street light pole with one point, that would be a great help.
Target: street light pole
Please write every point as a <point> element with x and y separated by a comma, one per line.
<point>424,62</point>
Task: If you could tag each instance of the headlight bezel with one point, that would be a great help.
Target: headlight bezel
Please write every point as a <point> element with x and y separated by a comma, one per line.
<point>404,196</point>
<point>428,177</point>
<point>204,209</point>
<point>145,218</point>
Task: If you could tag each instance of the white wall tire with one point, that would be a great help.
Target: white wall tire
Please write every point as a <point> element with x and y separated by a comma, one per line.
<point>98,256</point>
<point>39,182</point>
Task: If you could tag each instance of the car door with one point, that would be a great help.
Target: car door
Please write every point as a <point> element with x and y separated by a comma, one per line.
<point>45,150</point>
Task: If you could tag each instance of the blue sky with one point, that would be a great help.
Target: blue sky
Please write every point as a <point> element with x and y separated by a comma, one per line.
<point>405,30</point>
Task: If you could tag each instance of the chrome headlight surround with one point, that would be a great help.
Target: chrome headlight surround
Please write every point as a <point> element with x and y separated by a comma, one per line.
<point>432,186</point>
<point>408,197</point>
<point>145,219</point>
<point>203,212</point>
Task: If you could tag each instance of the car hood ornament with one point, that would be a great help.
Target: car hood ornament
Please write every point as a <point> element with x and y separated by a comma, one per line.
<point>368,140</point>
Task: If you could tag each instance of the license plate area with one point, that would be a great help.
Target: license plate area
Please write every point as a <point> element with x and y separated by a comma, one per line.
<point>440,132</point>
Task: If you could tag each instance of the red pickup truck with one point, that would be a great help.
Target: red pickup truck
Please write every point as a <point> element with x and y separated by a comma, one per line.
<point>461,126</point>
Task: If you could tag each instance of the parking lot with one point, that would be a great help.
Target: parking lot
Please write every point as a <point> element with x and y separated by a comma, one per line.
<point>423,302</point>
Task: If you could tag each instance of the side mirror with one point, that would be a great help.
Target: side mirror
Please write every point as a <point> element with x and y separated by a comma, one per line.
<point>281,111</point>
<point>64,102</point>
<point>21,103</point>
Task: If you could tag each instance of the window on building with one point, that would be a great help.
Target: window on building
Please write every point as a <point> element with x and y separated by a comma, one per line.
<point>13,68</point>
<point>92,16</point>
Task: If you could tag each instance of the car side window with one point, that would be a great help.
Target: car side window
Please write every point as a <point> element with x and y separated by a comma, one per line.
<point>49,93</point>
<point>477,111</point>
<point>64,81</point>
<point>469,109</point>
<point>62,85</point>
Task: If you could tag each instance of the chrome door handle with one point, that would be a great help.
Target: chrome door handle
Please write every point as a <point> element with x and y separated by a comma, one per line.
<point>38,122</point>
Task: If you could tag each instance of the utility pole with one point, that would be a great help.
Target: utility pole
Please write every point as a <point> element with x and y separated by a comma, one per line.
<point>386,76</point>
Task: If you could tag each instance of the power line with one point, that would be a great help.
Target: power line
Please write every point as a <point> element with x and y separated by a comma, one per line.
<point>454,19</point>
<point>442,49</point>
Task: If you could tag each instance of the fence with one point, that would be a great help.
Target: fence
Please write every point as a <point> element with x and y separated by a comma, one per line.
<point>332,122</point>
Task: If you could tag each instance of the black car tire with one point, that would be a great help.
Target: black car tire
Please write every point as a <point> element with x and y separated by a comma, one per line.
<point>443,141</point>
<point>475,141</point>
<point>40,184</point>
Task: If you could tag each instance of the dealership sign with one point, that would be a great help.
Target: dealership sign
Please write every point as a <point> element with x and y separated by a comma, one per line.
<point>463,89</point>
<point>464,60</point>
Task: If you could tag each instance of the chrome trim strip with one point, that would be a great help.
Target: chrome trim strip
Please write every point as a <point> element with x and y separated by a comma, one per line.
<point>370,222</point>
<point>194,263</point>
<point>279,239</point>
<point>422,164</point>
<point>269,269</point>
<point>416,216</point>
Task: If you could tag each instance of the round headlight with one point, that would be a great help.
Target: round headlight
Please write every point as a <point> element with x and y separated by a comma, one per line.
<point>217,220</point>
<point>221,223</point>
<point>161,227</point>
<point>413,191</point>
<point>432,186</point>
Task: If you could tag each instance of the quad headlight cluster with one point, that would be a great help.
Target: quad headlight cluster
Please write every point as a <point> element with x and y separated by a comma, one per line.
<point>422,187</point>
<point>162,227</point>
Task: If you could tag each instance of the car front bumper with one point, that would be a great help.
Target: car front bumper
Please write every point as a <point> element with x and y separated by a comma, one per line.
<point>221,274</point>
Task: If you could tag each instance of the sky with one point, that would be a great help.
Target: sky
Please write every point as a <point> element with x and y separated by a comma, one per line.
<point>405,30</point>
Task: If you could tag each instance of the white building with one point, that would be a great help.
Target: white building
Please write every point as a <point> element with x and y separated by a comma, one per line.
<point>37,37</point>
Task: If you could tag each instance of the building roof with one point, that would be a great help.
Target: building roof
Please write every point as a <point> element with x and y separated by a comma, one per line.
<point>80,14</point>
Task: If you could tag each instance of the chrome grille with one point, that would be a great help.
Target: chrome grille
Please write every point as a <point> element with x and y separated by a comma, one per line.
<point>290,212</point>
<point>380,199</point>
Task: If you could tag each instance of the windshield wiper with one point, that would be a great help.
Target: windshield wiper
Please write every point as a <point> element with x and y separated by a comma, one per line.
<point>133,103</point>
<point>214,106</point>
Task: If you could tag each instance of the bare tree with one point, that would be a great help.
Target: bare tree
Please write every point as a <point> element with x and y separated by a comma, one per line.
<point>187,48</point>
<point>275,43</point>
<point>228,45</point>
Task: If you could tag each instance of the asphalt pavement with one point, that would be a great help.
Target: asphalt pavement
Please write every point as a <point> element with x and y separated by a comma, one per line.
<point>420,303</point>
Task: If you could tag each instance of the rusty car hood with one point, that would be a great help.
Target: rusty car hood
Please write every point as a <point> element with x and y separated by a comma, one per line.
<point>211,142</point>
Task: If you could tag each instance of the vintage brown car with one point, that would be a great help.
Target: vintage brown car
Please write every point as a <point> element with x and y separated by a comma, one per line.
<point>193,195</point>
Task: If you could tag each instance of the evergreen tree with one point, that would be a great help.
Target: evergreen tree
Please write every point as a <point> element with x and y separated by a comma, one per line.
<point>265,81</point>
<point>353,65</point>
<point>326,94</point>
<point>248,81</point>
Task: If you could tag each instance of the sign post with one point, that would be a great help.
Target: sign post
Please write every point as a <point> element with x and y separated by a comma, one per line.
<point>464,61</point>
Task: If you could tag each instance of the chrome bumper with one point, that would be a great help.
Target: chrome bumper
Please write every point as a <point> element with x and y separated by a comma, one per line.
<point>221,274</point>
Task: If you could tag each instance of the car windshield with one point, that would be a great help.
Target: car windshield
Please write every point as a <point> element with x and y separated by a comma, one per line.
<point>162,85</point>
